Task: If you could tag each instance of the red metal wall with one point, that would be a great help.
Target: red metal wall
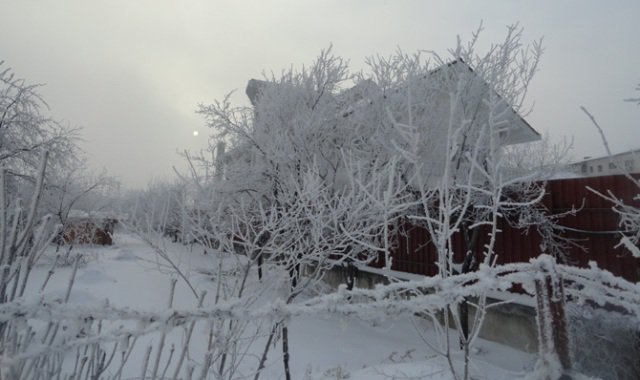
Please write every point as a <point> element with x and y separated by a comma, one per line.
<point>415,254</point>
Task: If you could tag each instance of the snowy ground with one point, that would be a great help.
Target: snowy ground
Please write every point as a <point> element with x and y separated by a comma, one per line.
<point>131,274</point>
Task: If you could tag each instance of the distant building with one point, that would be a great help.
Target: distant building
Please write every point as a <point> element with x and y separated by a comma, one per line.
<point>625,162</point>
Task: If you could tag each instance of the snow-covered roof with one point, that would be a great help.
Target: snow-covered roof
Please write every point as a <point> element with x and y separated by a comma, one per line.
<point>629,153</point>
<point>82,214</point>
<point>517,130</point>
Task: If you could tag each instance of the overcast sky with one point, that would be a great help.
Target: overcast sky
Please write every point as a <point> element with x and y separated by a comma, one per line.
<point>131,73</point>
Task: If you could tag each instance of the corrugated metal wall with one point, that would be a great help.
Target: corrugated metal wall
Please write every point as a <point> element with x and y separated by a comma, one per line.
<point>415,254</point>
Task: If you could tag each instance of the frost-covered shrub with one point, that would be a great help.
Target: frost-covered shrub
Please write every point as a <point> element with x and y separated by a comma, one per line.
<point>66,257</point>
<point>605,344</point>
<point>68,260</point>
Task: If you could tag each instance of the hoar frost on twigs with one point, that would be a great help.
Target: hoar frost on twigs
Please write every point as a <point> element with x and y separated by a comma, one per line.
<point>450,125</point>
<point>419,140</point>
<point>629,214</point>
<point>25,130</point>
<point>34,149</point>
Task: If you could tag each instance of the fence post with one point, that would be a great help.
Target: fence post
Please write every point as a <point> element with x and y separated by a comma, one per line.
<point>551,317</point>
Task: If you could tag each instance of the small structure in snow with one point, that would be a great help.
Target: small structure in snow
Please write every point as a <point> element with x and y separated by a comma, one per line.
<point>82,228</point>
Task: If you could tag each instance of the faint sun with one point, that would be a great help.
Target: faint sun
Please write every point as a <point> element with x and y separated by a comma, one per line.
<point>195,133</point>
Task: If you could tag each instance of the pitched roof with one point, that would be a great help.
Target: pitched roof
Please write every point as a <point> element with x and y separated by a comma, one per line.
<point>518,130</point>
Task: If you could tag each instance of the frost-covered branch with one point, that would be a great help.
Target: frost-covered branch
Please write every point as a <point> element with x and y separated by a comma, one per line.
<point>629,215</point>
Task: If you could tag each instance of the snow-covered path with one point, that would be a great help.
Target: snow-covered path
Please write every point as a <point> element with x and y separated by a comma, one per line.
<point>131,274</point>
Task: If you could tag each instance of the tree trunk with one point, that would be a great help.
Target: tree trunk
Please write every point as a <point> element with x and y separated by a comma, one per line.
<point>285,351</point>
<point>467,266</point>
<point>294,274</point>
<point>351,271</point>
<point>551,319</point>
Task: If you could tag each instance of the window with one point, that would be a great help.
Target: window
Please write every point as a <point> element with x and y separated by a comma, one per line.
<point>584,168</point>
<point>612,165</point>
<point>599,168</point>
<point>628,165</point>
<point>590,169</point>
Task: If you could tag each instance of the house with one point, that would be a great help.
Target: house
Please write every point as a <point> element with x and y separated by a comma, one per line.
<point>625,162</point>
<point>367,103</point>
<point>514,129</point>
<point>363,120</point>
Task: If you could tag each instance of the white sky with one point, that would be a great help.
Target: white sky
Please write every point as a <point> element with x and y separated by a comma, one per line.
<point>131,73</point>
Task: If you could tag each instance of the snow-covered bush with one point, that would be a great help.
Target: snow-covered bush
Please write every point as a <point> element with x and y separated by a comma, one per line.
<point>160,207</point>
<point>605,343</point>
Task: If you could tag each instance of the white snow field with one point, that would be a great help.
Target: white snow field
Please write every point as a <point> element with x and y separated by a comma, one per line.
<point>131,274</point>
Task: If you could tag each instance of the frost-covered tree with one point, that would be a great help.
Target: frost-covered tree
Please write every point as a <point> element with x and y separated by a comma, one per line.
<point>309,198</point>
<point>31,144</point>
<point>26,133</point>
<point>419,138</point>
<point>629,214</point>
<point>452,121</point>
<point>297,133</point>
<point>26,130</point>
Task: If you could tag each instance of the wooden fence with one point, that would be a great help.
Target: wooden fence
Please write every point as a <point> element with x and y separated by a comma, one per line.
<point>593,227</point>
